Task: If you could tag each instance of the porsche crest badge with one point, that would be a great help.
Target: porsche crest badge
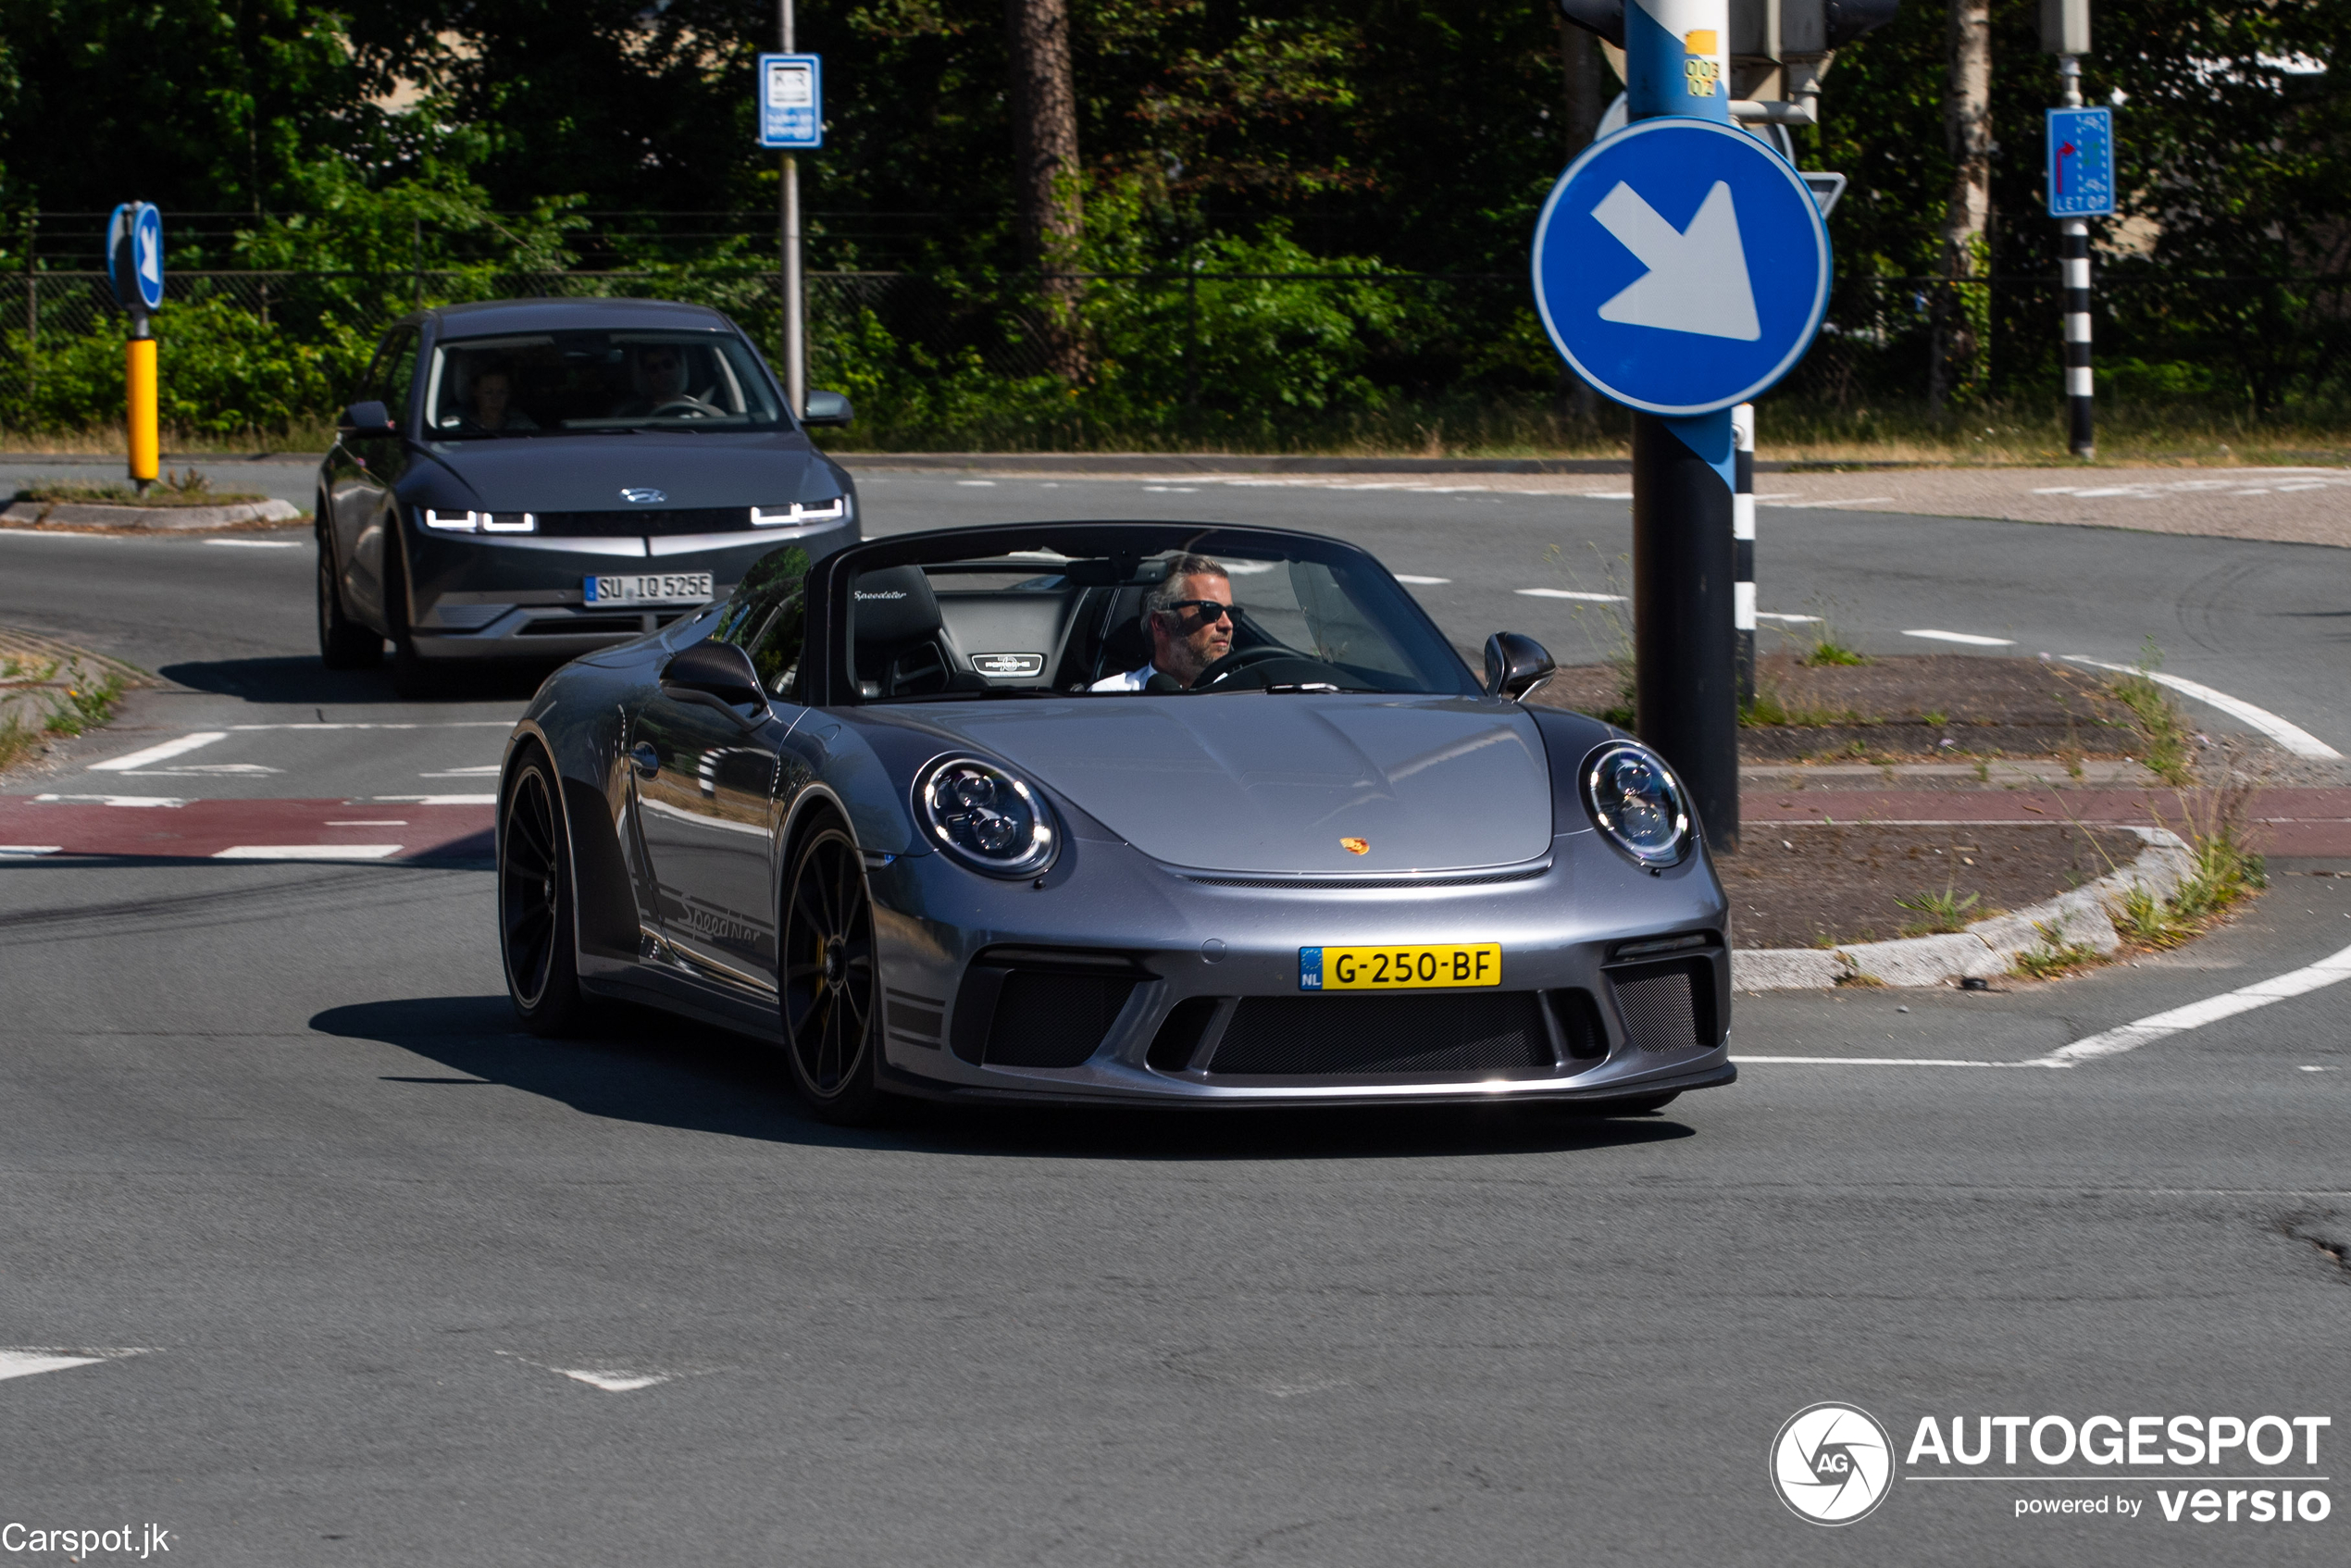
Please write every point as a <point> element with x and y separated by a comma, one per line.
<point>1356,846</point>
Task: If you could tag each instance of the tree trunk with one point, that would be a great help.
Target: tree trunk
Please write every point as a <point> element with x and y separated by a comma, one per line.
<point>1047,186</point>
<point>1961,364</point>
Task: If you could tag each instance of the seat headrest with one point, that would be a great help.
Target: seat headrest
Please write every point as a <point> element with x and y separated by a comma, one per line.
<point>893,605</point>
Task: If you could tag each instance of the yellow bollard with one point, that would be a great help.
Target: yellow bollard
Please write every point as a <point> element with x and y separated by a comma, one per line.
<point>146,450</point>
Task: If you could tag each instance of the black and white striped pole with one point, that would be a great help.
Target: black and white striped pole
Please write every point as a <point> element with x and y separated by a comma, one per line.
<point>2065,33</point>
<point>2075,266</point>
<point>1743,546</point>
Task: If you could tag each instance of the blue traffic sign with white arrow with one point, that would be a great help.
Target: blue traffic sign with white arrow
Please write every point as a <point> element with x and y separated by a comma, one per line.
<point>134,254</point>
<point>1681,265</point>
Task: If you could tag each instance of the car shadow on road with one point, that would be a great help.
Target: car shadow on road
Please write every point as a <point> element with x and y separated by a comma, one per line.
<point>302,679</point>
<point>646,1067</point>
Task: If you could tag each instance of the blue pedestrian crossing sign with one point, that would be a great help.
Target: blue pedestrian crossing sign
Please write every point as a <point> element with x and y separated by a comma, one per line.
<point>134,254</point>
<point>791,101</point>
<point>1681,265</point>
<point>2080,163</point>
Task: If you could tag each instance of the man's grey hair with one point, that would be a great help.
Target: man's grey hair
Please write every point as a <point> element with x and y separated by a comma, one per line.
<point>1181,570</point>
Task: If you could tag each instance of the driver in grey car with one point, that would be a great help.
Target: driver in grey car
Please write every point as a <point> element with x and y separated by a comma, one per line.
<point>661,372</point>
<point>1189,616</point>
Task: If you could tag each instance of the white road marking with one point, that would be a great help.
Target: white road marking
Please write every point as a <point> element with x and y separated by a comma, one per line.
<point>163,753</point>
<point>1571,594</point>
<point>308,851</point>
<point>1599,496</point>
<point>1793,620</point>
<point>443,724</point>
<point>1421,582</point>
<point>612,1382</point>
<point>25,1361</point>
<point>371,822</point>
<point>145,800</point>
<point>1967,636</point>
<point>978,484</point>
<point>437,801</point>
<point>2130,1036</point>
<point>255,544</point>
<point>199,770</point>
<point>1171,489</point>
<point>26,851</point>
<point>488,770</point>
<point>2293,736</point>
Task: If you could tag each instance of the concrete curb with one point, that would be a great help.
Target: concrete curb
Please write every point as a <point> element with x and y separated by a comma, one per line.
<point>1986,948</point>
<point>80,515</point>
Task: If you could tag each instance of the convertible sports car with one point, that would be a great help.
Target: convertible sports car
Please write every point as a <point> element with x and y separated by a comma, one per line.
<point>1111,811</point>
<point>539,479</point>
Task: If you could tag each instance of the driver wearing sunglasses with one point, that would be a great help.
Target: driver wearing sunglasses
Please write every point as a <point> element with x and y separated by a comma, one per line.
<point>1189,619</point>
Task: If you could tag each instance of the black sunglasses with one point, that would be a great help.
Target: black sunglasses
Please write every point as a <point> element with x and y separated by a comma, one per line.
<point>1210,610</point>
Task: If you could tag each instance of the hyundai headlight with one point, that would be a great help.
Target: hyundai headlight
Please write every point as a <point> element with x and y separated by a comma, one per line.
<point>480,522</point>
<point>803,514</point>
<point>1636,800</point>
<point>986,817</point>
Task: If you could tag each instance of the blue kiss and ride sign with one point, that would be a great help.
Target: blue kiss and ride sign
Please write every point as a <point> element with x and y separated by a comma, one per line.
<point>1681,265</point>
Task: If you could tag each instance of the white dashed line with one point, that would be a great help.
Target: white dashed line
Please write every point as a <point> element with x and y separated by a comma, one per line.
<point>438,801</point>
<point>141,801</point>
<point>25,1361</point>
<point>1870,1062</point>
<point>2293,736</point>
<point>163,753</point>
<point>1971,638</point>
<point>255,544</point>
<point>1421,582</point>
<point>308,851</point>
<point>26,851</point>
<point>977,484</point>
<point>1571,594</point>
<point>2130,1036</point>
<point>1793,620</point>
<point>488,770</point>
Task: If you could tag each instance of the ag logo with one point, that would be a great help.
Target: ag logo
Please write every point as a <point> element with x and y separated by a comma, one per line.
<point>1832,1463</point>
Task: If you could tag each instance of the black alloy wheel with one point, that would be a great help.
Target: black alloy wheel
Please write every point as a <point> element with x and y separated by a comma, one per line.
<point>535,912</point>
<point>344,644</point>
<point>830,984</point>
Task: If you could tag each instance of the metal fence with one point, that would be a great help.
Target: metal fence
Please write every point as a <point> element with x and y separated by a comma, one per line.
<point>1311,341</point>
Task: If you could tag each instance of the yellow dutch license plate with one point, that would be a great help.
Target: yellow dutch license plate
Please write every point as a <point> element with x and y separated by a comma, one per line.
<point>1400,968</point>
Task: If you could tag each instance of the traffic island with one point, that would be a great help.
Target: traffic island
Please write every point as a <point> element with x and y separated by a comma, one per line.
<point>51,691</point>
<point>179,502</point>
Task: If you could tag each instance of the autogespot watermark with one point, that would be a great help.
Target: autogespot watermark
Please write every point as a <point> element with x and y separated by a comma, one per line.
<point>1835,1464</point>
<point>80,1545</point>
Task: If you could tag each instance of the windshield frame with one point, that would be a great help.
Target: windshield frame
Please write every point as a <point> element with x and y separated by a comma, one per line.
<point>830,581</point>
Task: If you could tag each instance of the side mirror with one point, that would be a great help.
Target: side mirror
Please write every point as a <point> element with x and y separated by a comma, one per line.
<point>827,408</point>
<point>713,672</point>
<point>366,419</point>
<point>1515,665</point>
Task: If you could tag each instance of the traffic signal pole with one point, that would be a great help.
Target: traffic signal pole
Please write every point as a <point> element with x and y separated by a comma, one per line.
<point>1683,644</point>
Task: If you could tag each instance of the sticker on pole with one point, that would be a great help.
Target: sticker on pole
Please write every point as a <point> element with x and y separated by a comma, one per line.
<point>134,254</point>
<point>2080,163</point>
<point>1681,265</point>
<point>791,101</point>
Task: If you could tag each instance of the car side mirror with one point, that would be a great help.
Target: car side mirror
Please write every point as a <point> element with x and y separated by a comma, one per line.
<point>827,408</point>
<point>714,673</point>
<point>370,418</point>
<point>1515,665</point>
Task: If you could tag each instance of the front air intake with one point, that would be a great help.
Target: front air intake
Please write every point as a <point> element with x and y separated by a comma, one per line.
<point>1041,1007</point>
<point>1321,1036</point>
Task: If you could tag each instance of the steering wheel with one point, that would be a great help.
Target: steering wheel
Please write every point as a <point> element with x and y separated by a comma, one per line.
<point>686,406</point>
<point>1233,663</point>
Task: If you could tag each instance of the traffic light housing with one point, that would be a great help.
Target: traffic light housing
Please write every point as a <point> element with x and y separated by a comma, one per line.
<point>1778,48</point>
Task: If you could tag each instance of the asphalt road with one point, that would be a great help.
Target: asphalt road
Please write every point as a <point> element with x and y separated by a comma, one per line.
<point>404,1286</point>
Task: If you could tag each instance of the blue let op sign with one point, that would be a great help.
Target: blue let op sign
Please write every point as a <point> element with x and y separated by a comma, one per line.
<point>1681,265</point>
<point>2080,163</point>
<point>791,101</point>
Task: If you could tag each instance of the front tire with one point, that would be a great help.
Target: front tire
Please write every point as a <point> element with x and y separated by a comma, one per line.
<point>344,644</point>
<point>832,983</point>
<point>537,913</point>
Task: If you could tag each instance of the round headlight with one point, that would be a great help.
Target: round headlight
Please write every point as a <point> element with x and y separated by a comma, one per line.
<point>1636,801</point>
<point>987,817</point>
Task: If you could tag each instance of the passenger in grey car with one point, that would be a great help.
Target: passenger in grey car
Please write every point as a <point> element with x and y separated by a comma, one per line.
<point>1189,620</point>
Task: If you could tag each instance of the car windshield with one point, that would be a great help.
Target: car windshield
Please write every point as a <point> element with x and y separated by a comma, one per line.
<point>1173,623</point>
<point>553,382</point>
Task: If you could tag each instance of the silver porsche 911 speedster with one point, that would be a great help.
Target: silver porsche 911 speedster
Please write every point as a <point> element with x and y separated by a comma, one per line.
<point>1116,812</point>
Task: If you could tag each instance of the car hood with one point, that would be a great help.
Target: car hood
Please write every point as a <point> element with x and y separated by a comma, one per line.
<point>587,473</point>
<point>1277,783</point>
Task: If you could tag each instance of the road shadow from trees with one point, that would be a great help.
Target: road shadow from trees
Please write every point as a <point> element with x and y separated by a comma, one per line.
<point>302,679</point>
<point>646,1067</point>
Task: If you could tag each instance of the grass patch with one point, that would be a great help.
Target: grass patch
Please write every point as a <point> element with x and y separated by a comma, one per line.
<point>1940,913</point>
<point>187,488</point>
<point>2056,955</point>
<point>2147,921</point>
<point>17,740</point>
<point>2163,730</point>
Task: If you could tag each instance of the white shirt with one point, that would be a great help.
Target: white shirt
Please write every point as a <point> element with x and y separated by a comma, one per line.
<point>1133,680</point>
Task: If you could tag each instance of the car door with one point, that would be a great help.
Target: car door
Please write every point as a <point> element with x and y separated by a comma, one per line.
<point>708,781</point>
<point>370,466</point>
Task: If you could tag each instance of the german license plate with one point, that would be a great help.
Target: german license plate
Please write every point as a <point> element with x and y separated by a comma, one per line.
<point>651,587</point>
<point>1400,968</point>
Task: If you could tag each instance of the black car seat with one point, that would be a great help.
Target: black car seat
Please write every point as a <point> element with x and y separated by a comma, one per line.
<point>903,648</point>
